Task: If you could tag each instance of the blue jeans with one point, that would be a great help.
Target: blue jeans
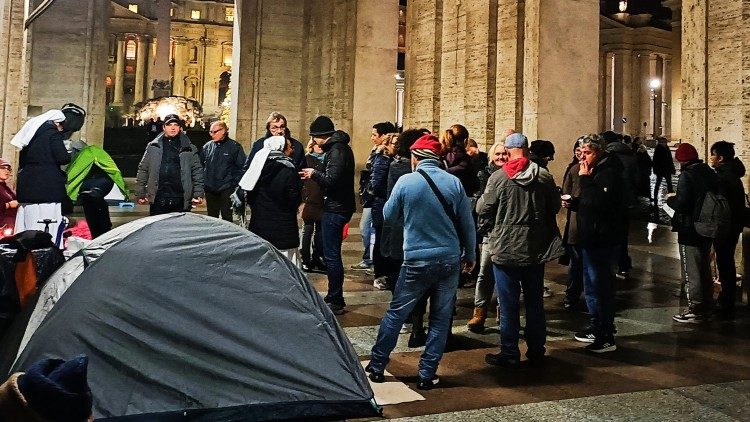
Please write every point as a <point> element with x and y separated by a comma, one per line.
<point>509,282</point>
<point>333,231</point>
<point>437,278</point>
<point>365,228</point>
<point>599,288</point>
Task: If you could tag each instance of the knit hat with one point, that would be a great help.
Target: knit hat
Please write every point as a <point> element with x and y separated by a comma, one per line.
<point>685,153</point>
<point>58,390</point>
<point>322,126</point>
<point>516,140</point>
<point>542,148</point>
<point>427,146</point>
<point>172,118</point>
<point>4,163</point>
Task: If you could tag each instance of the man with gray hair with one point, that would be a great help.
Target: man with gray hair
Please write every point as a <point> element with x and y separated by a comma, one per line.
<point>222,159</point>
<point>276,125</point>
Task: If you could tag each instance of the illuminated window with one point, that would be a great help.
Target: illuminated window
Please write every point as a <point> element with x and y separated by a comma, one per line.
<point>229,14</point>
<point>133,8</point>
<point>130,49</point>
<point>195,14</point>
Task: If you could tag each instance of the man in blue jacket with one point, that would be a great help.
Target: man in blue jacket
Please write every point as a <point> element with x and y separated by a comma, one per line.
<point>433,244</point>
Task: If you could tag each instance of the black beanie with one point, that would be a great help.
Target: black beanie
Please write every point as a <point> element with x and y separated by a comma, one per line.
<point>58,390</point>
<point>74,117</point>
<point>542,148</point>
<point>322,126</point>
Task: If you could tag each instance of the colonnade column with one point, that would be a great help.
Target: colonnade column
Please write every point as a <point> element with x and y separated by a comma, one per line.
<point>606,87</point>
<point>14,75</point>
<point>140,68</point>
<point>178,82</point>
<point>161,85</point>
<point>666,96</point>
<point>245,45</point>
<point>621,96</point>
<point>644,76</point>
<point>119,72</point>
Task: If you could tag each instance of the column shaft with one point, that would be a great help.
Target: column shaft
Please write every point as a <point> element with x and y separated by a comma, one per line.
<point>666,97</point>
<point>140,69</point>
<point>178,82</point>
<point>119,72</point>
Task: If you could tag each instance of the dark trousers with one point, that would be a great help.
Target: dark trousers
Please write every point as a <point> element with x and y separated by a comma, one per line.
<point>219,203</point>
<point>96,210</point>
<point>166,205</point>
<point>574,286</point>
<point>727,271</point>
<point>624,263</point>
<point>333,232</point>
<point>383,265</point>
<point>668,179</point>
<point>312,242</point>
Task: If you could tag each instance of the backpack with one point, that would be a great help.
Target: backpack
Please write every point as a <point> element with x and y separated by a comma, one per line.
<point>713,218</point>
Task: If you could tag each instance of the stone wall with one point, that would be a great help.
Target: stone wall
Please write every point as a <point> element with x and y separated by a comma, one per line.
<point>13,75</point>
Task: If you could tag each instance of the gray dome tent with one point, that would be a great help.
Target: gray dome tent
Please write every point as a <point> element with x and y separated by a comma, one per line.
<point>188,317</point>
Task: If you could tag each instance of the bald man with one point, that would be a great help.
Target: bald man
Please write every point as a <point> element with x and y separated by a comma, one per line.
<point>222,159</point>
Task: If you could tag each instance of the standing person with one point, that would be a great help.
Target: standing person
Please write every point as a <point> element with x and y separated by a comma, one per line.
<point>479,159</point>
<point>457,161</point>
<point>729,170</point>
<point>222,160</point>
<point>696,179</point>
<point>542,152</point>
<point>337,180</point>
<point>312,214</point>
<point>644,164</point>
<point>8,202</point>
<point>486,280</point>
<point>381,163</point>
<point>616,148</point>
<point>433,241</point>
<point>276,125</point>
<point>274,192</point>
<point>572,187</point>
<point>522,201</point>
<point>170,176</point>
<point>599,217</point>
<point>41,182</point>
<point>663,168</point>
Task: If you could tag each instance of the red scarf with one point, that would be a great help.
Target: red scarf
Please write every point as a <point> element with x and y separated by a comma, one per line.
<point>513,167</point>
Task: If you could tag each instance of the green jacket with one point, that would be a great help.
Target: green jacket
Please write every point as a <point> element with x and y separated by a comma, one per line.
<point>81,166</point>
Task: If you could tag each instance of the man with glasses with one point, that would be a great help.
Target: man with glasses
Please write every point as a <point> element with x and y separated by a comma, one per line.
<point>222,159</point>
<point>276,125</point>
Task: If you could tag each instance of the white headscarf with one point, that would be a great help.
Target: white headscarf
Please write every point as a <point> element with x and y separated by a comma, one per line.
<point>251,176</point>
<point>27,132</point>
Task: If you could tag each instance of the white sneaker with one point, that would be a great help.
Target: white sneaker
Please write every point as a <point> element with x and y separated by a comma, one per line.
<point>381,283</point>
<point>406,328</point>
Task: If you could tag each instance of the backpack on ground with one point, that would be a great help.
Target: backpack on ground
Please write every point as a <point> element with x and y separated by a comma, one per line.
<point>714,216</point>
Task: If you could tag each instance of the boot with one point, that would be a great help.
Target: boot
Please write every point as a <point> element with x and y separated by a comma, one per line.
<point>476,323</point>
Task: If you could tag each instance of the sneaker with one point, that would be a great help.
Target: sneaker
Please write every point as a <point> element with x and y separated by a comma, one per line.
<point>547,292</point>
<point>428,384</point>
<point>337,309</point>
<point>381,283</point>
<point>376,377</point>
<point>585,336</point>
<point>406,328</point>
<point>362,266</point>
<point>690,317</point>
<point>602,346</point>
<point>498,359</point>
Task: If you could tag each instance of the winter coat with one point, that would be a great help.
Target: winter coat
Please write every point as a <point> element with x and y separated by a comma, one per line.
<point>601,207</point>
<point>663,162</point>
<point>630,168</point>
<point>381,164</point>
<point>730,185</point>
<point>298,154</point>
<point>643,160</point>
<point>571,186</point>
<point>337,180</point>
<point>696,178</point>
<point>7,215</point>
<point>459,164</point>
<point>429,234</point>
<point>191,172</point>
<point>518,215</point>
<point>222,164</point>
<point>392,243</point>
<point>365,193</point>
<point>399,167</point>
<point>40,179</point>
<point>274,202</point>
<point>312,196</point>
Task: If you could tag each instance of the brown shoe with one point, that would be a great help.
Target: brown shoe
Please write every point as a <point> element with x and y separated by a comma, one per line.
<point>476,323</point>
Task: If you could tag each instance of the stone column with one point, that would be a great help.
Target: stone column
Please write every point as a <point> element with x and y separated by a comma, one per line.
<point>559,99</point>
<point>509,67</point>
<point>14,75</point>
<point>140,68</point>
<point>602,91</point>
<point>180,60</point>
<point>646,102</point>
<point>245,52</point>
<point>620,93</point>
<point>666,96</point>
<point>655,68</point>
<point>119,72</point>
<point>695,73</point>
<point>609,95</point>
<point>160,85</point>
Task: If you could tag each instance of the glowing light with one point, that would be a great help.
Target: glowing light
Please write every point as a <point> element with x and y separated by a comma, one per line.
<point>655,83</point>
<point>623,6</point>
<point>158,108</point>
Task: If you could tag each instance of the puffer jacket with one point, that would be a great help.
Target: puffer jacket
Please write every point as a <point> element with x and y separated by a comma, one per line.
<point>730,185</point>
<point>600,209</point>
<point>191,172</point>
<point>337,180</point>
<point>696,178</point>
<point>519,216</point>
<point>381,164</point>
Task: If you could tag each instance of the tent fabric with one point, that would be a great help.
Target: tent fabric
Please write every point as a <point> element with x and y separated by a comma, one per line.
<point>90,156</point>
<point>188,317</point>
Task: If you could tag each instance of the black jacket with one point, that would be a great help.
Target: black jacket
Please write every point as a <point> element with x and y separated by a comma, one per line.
<point>600,210</point>
<point>298,155</point>
<point>696,178</point>
<point>338,178</point>
<point>222,164</point>
<point>730,185</point>
<point>629,168</point>
<point>274,202</point>
<point>663,162</point>
<point>40,178</point>
<point>460,164</point>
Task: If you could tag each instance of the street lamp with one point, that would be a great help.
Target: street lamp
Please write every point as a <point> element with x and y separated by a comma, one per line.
<point>654,84</point>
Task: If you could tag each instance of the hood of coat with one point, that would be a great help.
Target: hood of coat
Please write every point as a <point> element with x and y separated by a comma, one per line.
<point>338,137</point>
<point>618,148</point>
<point>528,175</point>
<point>735,167</point>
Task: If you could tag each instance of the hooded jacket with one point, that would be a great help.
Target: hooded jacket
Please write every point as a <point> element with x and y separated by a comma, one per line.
<point>337,180</point>
<point>696,178</point>
<point>730,185</point>
<point>629,168</point>
<point>518,215</point>
<point>274,203</point>
<point>191,172</point>
<point>601,207</point>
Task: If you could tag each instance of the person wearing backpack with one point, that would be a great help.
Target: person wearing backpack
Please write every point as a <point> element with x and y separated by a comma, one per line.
<point>729,170</point>
<point>695,181</point>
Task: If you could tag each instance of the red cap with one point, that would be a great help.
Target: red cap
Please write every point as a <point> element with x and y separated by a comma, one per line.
<point>427,146</point>
<point>685,153</point>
